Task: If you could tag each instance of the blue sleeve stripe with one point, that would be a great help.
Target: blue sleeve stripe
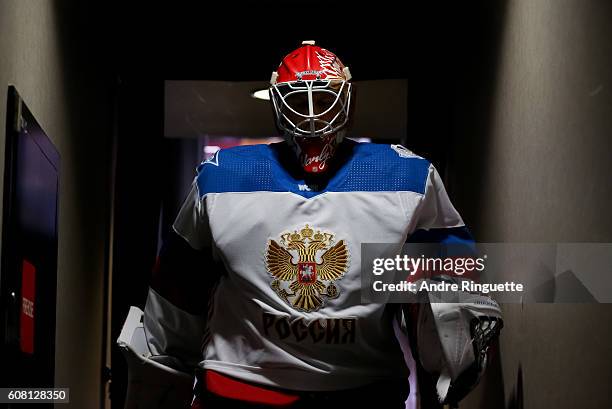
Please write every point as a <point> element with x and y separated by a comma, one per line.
<point>455,241</point>
<point>442,235</point>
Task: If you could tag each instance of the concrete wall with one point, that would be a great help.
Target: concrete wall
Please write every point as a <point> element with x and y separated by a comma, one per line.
<point>532,164</point>
<point>45,52</point>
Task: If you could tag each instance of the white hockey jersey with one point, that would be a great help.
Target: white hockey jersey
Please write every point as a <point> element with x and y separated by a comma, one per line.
<point>287,309</point>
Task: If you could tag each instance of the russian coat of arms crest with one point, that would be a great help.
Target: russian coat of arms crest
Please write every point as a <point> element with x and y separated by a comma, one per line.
<point>305,266</point>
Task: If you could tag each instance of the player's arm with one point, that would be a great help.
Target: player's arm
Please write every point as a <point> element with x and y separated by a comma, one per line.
<point>175,311</point>
<point>437,221</point>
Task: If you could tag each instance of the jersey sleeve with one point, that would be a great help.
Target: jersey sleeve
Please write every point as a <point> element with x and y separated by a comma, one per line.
<point>191,223</point>
<point>433,331</point>
<point>183,278</point>
<point>437,220</point>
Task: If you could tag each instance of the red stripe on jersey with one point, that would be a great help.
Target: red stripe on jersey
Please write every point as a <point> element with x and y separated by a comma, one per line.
<point>234,389</point>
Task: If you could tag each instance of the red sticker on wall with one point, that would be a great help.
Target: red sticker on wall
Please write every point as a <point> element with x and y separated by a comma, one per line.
<point>28,288</point>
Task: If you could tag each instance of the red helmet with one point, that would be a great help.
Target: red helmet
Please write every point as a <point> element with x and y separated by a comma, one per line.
<point>311,95</point>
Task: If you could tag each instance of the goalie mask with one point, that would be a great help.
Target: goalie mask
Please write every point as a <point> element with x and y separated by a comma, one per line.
<point>311,94</point>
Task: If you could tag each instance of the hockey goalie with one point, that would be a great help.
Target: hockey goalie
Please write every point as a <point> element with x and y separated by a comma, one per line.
<point>256,298</point>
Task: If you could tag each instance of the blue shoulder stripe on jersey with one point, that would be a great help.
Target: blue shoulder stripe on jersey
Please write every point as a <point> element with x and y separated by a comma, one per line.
<point>377,167</point>
<point>254,168</point>
<point>237,169</point>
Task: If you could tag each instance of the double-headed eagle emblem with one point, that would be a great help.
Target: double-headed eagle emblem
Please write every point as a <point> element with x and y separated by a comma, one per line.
<point>305,266</point>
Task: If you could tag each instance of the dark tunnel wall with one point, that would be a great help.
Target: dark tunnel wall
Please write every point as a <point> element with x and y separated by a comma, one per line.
<point>46,52</point>
<point>531,163</point>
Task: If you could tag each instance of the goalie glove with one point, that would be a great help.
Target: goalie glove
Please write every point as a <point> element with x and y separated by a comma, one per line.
<point>454,331</point>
